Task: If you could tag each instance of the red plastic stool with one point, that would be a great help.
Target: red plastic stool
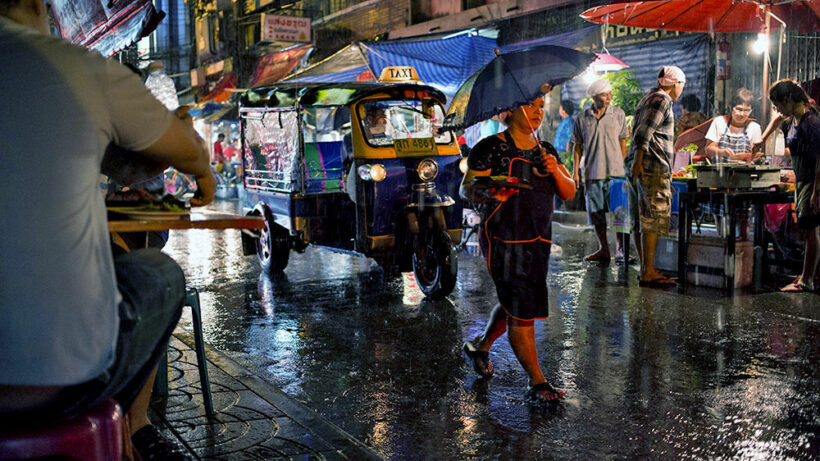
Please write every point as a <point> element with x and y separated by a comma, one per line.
<point>94,435</point>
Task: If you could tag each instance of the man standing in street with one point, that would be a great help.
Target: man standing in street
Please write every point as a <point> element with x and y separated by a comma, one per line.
<point>649,164</point>
<point>77,326</point>
<point>600,136</point>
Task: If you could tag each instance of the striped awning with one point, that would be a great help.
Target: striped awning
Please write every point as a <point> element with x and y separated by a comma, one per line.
<point>347,75</point>
<point>690,53</point>
<point>442,63</point>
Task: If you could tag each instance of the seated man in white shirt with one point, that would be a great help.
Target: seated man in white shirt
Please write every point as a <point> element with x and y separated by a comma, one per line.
<point>77,326</point>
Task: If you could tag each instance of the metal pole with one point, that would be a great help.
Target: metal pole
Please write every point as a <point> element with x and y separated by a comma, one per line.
<point>766,70</point>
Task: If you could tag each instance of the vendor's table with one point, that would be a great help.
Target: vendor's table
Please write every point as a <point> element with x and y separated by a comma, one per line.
<point>731,200</point>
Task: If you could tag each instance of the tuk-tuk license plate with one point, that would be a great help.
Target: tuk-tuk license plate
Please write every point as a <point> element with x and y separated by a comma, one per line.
<point>414,146</point>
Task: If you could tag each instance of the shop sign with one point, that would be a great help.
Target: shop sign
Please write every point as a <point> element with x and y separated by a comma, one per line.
<point>624,35</point>
<point>285,28</point>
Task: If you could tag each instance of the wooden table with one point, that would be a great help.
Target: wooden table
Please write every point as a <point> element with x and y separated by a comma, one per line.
<point>197,220</point>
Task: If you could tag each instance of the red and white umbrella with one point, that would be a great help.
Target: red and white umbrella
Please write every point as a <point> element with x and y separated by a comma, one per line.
<point>713,16</point>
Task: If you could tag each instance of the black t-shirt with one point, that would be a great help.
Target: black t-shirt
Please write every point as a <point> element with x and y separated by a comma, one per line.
<point>528,213</point>
<point>805,148</point>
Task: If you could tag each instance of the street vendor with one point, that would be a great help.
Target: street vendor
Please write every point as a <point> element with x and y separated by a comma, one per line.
<point>731,137</point>
<point>515,236</point>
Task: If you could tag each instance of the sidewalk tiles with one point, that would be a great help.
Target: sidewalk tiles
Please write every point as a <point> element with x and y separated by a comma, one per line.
<point>254,420</point>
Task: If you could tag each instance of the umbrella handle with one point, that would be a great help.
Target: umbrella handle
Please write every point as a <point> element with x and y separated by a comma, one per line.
<point>534,136</point>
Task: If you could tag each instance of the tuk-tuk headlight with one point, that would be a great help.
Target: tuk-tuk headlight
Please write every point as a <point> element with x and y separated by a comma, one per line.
<point>377,172</point>
<point>372,172</point>
<point>462,165</point>
<point>427,169</point>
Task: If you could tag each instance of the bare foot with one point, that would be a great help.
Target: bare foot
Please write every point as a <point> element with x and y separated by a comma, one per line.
<point>598,256</point>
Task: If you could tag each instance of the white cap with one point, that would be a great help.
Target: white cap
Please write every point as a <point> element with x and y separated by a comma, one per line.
<point>670,75</point>
<point>599,86</point>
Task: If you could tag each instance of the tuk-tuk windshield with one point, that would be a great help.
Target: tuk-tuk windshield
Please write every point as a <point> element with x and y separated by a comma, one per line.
<point>386,120</point>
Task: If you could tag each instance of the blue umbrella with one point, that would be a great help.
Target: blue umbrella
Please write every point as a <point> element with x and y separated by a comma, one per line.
<point>514,79</point>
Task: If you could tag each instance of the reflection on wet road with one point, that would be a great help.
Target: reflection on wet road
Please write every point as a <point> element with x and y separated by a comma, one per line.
<point>648,373</point>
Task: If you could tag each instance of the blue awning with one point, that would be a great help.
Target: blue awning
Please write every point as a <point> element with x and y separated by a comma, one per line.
<point>348,75</point>
<point>443,63</point>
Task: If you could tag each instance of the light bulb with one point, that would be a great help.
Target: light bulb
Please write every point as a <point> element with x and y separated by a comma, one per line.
<point>589,77</point>
<point>761,44</point>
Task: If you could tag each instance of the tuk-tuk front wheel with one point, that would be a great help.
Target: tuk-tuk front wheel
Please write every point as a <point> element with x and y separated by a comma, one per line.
<point>272,248</point>
<point>435,263</point>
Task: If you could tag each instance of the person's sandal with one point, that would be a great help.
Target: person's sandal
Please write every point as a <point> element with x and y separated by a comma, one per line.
<point>797,287</point>
<point>480,359</point>
<point>153,446</point>
<point>533,392</point>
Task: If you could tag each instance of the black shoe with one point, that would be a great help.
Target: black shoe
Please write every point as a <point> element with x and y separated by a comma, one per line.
<point>153,446</point>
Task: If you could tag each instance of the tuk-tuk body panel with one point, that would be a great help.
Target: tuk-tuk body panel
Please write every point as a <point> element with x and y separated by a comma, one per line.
<point>323,164</point>
<point>279,206</point>
<point>386,200</point>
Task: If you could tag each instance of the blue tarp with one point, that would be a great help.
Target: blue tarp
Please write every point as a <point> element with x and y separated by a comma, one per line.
<point>348,75</point>
<point>444,64</point>
<point>690,53</point>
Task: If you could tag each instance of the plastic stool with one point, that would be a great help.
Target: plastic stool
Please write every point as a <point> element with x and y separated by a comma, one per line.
<point>161,383</point>
<point>94,435</point>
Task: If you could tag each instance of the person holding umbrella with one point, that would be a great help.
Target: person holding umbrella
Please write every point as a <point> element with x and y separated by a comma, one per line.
<point>649,167</point>
<point>520,177</point>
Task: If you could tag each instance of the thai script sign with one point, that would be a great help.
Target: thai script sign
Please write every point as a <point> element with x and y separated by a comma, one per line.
<point>285,28</point>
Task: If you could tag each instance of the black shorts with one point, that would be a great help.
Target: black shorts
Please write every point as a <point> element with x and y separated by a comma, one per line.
<point>153,291</point>
<point>806,217</point>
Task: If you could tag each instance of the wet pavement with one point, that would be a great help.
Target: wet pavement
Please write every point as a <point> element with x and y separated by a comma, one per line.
<point>648,373</point>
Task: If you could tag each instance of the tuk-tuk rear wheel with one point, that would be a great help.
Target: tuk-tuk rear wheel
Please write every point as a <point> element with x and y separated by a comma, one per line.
<point>272,247</point>
<point>435,263</point>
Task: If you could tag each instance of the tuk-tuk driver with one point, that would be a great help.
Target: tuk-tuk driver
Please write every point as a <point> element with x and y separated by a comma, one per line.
<point>376,122</point>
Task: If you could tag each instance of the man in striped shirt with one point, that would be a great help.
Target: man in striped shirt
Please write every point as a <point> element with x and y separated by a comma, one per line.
<point>649,166</point>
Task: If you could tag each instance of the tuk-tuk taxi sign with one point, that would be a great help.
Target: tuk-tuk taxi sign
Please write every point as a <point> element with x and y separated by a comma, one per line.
<point>399,74</point>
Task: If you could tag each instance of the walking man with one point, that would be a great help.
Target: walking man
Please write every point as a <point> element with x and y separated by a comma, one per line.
<point>649,164</point>
<point>600,139</point>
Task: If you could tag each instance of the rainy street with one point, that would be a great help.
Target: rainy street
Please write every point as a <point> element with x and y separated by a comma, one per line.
<point>648,373</point>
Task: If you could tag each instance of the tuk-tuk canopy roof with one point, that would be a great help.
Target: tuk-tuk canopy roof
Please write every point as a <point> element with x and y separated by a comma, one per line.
<point>307,94</point>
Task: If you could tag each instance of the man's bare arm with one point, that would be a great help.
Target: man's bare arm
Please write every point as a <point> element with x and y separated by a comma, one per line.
<point>181,147</point>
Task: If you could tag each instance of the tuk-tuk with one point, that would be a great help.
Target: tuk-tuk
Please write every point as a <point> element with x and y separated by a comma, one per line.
<point>354,167</point>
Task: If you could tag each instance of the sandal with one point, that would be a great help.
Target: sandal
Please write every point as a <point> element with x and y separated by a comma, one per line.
<point>534,392</point>
<point>153,446</point>
<point>480,359</point>
<point>797,287</point>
